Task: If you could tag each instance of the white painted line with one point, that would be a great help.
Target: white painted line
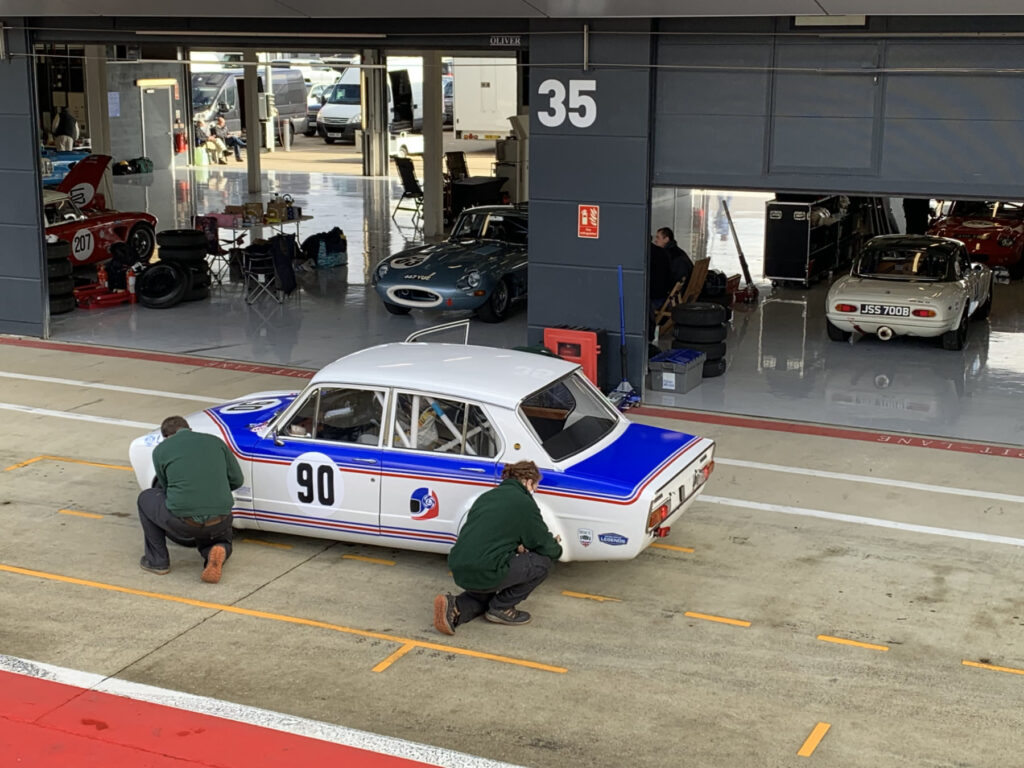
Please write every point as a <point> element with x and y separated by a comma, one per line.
<point>76,416</point>
<point>858,520</point>
<point>300,726</point>
<point>111,387</point>
<point>969,492</point>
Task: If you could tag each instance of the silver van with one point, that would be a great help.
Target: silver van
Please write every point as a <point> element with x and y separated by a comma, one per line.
<point>221,94</point>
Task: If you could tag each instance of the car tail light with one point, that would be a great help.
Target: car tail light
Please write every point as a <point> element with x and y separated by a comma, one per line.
<point>656,515</point>
<point>923,313</point>
<point>846,307</point>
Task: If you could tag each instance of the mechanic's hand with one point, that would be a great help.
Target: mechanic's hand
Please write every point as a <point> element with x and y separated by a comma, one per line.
<point>520,549</point>
<point>558,538</point>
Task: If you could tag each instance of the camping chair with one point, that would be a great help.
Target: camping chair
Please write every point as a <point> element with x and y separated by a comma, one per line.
<point>682,292</point>
<point>411,191</point>
<point>456,163</point>
<point>210,226</point>
<point>259,274</point>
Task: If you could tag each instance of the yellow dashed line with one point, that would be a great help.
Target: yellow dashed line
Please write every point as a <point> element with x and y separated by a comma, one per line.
<point>720,619</point>
<point>69,461</point>
<point>362,559</point>
<point>979,665</point>
<point>584,596</point>
<point>844,641</point>
<point>394,657</point>
<point>267,543</point>
<point>287,619</point>
<point>76,513</point>
<point>659,545</point>
<point>813,740</point>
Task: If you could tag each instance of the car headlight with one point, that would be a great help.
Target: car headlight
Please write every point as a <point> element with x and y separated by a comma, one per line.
<point>356,119</point>
<point>473,278</point>
<point>1006,241</point>
<point>382,270</point>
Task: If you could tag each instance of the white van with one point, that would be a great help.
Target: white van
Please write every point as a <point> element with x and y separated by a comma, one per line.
<point>221,94</point>
<point>341,114</point>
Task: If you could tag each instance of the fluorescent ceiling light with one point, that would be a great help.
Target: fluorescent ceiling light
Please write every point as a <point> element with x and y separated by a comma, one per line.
<point>155,82</point>
<point>208,33</point>
<point>830,21</point>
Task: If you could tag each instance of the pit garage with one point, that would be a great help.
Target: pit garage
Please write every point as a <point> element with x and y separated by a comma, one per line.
<point>818,600</point>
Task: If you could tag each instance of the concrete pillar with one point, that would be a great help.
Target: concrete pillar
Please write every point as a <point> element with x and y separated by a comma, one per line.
<point>433,147</point>
<point>96,108</point>
<point>252,120</point>
<point>375,114</point>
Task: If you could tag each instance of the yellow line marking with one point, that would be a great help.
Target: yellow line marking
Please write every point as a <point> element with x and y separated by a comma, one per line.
<point>363,559</point>
<point>708,617</point>
<point>813,740</point>
<point>80,514</point>
<point>267,543</point>
<point>844,641</point>
<point>285,618</point>
<point>674,548</point>
<point>979,665</point>
<point>69,461</point>
<point>584,596</point>
<point>394,657</point>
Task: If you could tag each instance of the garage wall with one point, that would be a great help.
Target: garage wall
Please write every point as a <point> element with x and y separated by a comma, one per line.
<point>749,105</point>
<point>22,281</point>
<point>573,280</point>
<point>126,126</point>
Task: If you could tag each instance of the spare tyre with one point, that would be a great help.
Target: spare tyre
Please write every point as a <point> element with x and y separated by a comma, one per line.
<point>700,334</point>
<point>60,249</point>
<point>698,314</point>
<point>183,256</point>
<point>181,238</point>
<point>61,304</point>
<point>162,285</point>
<point>713,368</point>
<point>58,268</point>
<point>713,351</point>
<point>61,286</point>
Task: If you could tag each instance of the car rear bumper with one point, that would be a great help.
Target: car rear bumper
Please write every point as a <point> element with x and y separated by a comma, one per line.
<point>900,326</point>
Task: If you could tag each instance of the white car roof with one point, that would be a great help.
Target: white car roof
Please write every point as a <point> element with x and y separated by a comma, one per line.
<point>484,374</point>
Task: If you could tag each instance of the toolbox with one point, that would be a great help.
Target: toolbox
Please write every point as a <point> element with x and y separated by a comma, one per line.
<point>677,371</point>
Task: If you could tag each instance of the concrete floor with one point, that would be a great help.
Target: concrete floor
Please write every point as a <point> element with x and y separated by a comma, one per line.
<point>649,680</point>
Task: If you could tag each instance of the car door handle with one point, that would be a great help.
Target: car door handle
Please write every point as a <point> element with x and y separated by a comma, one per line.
<point>480,470</point>
<point>364,461</point>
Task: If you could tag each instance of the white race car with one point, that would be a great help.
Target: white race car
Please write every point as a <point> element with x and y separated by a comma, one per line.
<point>391,445</point>
<point>910,285</point>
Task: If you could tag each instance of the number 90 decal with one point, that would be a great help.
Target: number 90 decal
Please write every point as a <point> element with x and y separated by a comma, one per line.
<point>315,480</point>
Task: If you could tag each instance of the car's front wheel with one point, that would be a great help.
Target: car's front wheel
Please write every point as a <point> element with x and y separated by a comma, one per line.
<point>835,332</point>
<point>396,309</point>
<point>956,339</point>
<point>495,308</point>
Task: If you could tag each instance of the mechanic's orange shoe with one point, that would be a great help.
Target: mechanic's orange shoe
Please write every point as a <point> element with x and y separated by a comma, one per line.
<point>214,564</point>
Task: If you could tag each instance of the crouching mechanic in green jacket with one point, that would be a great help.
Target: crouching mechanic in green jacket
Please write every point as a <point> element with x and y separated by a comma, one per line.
<point>503,553</point>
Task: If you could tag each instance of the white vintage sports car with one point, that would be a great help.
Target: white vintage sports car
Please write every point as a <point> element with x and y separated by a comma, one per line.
<point>910,285</point>
<point>392,444</point>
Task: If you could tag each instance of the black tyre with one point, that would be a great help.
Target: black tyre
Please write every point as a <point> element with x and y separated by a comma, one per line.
<point>835,332</point>
<point>698,314</point>
<point>59,268</point>
<point>329,141</point>
<point>162,285</point>
<point>495,309</point>
<point>200,276</point>
<point>714,351</point>
<point>61,304</point>
<point>58,251</point>
<point>183,256</point>
<point>181,238</point>
<point>310,132</point>
<point>713,368</point>
<point>61,286</point>
<point>955,340</point>
<point>700,334</point>
<point>396,309</point>
<point>141,240</point>
<point>983,311</point>
<point>714,285</point>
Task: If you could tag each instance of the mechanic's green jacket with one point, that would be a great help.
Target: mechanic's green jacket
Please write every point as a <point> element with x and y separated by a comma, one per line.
<point>498,522</point>
<point>198,471</point>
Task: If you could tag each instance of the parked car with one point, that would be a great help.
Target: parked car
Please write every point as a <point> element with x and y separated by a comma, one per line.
<point>481,266</point>
<point>317,95</point>
<point>910,285</point>
<point>56,165</point>
<point>391,445</point>
<point>75,212</point>
<point>993,232</point>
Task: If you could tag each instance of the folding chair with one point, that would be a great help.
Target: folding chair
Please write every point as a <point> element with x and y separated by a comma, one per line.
<point>411,191</point>
<point>259,275</point>
<point>210,226</point>
<point>456,163</point>
<point>681,293</point>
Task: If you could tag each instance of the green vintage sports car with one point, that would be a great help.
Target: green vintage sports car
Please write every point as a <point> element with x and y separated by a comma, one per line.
<point>481,267</point>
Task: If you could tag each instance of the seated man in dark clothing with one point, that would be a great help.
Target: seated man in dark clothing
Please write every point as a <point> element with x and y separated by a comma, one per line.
<point>220,130</point>
<point>659,282</point>
<point>680,263</point>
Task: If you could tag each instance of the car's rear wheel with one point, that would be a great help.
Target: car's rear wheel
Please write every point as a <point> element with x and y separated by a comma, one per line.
<point>495,308</point>
<point>396,309</point>
<point>835,332</point>
<point>956,339</point>
<point>141,240</point>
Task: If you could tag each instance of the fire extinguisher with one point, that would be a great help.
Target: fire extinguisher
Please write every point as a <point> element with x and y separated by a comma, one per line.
<point>130,282</point>
<point>101,276</point>
<point>180,142</point>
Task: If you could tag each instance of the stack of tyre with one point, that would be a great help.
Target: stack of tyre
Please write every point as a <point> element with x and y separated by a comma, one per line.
<point>701,326</point>
<point>714,291</point>
<point>180,275</point>
<point>59,274</point>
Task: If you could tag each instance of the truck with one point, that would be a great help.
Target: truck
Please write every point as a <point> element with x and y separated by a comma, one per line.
<point>485,96</point>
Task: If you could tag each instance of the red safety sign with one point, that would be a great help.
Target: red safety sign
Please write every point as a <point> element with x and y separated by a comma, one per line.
<point>588,221</point>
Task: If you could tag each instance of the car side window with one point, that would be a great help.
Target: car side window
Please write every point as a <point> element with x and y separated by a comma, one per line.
<point>301,424</point>
<point>427,423</point>
<point>340,415</point>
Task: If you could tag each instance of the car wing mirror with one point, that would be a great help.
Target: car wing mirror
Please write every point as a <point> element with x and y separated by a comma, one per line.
<point>276,437</point>
<point>222,106</point>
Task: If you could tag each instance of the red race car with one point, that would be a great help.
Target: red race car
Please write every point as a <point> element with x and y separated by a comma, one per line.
<point>993,232</point>
<point>76,212</point>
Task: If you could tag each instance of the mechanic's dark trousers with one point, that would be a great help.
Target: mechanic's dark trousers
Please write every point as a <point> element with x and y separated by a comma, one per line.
<point>237,144</point>
<point>525,573</point>
<point>160,524</point>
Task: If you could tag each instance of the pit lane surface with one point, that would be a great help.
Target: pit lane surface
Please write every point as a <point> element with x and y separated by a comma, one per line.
<point>780,622</point>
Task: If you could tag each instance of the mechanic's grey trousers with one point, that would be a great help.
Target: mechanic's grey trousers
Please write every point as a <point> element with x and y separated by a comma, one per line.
<point>526,571</point>
<point>160,524</point>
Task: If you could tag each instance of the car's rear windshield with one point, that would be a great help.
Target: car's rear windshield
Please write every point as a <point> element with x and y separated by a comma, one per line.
<point>344,94</point>
<point>568,416</point>
<point>986,209</point>
<point>903,263</point>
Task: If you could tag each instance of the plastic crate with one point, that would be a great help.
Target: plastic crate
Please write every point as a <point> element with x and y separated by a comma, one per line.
<point>677,371</point>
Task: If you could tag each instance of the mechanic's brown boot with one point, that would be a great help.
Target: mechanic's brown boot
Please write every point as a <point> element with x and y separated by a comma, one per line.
<point>214,564</point>
<point>446,614</point>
